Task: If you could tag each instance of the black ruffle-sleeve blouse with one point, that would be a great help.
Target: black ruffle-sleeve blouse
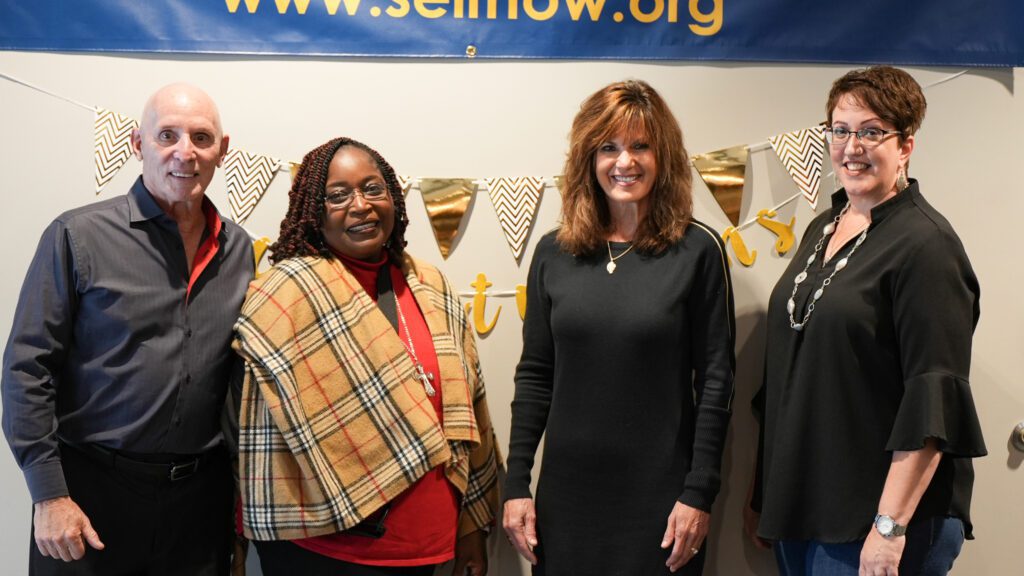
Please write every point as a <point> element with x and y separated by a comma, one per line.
<point>881,365</point>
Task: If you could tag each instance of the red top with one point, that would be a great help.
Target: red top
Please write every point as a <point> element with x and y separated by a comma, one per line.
<point>423,520</point>
<point>208,249</point>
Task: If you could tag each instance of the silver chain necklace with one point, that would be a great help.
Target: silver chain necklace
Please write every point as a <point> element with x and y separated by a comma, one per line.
<point>425,377</point>
<point>829,229</point>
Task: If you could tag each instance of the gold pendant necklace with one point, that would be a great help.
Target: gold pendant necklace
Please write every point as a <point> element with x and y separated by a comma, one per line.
<point>611,259</point>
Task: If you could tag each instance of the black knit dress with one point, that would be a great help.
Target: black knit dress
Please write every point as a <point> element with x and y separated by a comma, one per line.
<point>630,376</point>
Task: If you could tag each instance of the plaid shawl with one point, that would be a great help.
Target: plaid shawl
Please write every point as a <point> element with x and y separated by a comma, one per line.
<point>333,422</point>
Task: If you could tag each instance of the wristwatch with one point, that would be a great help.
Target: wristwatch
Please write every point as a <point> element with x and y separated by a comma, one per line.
<point>888,527</point>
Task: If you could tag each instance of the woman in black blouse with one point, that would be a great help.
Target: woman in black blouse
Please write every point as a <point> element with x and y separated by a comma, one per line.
<point>627,363</point>
<point>868,424</point>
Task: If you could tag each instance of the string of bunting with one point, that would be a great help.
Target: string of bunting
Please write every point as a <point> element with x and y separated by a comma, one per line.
<point>515,199</point>
<point>724,172</point>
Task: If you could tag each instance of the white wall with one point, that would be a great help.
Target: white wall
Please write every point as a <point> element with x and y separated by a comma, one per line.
<point>479,119</point>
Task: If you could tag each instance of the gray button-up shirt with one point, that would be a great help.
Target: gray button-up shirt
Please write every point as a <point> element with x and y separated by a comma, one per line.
<point>111,345</point>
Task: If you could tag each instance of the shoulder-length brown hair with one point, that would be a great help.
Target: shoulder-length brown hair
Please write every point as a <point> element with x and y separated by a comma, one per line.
<point>631,107</point>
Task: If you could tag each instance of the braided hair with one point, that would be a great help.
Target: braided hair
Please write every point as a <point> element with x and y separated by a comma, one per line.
<point>301,233</point>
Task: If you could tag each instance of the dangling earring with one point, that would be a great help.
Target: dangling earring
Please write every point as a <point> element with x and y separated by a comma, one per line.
<point>901,180</point>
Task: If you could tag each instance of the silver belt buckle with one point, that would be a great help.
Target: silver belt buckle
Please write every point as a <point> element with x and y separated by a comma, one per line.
<point>182,471</point>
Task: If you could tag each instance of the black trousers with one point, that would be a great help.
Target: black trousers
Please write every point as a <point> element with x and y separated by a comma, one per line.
<point>150,525</point>
<point>283,558</point>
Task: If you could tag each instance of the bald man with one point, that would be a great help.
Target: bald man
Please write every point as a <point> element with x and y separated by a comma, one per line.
<point>115,373</point>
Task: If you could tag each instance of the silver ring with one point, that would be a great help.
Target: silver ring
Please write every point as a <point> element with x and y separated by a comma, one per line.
<point>694,550</point>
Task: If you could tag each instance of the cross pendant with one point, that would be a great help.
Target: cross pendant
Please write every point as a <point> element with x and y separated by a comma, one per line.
<point>425,377</point>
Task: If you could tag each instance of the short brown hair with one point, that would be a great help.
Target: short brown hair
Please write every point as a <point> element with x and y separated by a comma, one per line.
<point>889,92</point>
<point>630,106</point>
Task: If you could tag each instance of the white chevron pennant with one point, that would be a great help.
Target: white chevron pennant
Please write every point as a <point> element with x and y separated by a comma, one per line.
<point>515,200</point>
<point>248,176</point>
<point>112,144</point>
<point>801,153</point>
<point>405,182</point>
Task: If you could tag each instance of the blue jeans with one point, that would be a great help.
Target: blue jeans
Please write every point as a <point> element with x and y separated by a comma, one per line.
<point>932,546</point>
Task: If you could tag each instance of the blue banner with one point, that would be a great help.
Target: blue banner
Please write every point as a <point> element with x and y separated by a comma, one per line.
<point>921,32</point>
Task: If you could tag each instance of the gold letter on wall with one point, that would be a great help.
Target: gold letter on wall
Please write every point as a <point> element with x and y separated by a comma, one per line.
<point>783,231</point>
<point>479,306</point>
<point>732,236</point>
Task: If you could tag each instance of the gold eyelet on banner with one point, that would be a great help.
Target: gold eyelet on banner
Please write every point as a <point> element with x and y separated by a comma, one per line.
<point>471,51</point>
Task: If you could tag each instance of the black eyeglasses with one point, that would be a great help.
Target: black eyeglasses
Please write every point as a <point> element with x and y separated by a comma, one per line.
<point>838,135</point>
<point>372,192</point>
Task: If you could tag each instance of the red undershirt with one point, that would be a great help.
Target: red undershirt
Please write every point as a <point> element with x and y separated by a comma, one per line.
<point>423,520</point>
<point>208,249</point>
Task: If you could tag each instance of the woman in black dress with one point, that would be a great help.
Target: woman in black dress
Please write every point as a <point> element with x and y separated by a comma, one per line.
<point>868,425</point>
<point>627,363</point>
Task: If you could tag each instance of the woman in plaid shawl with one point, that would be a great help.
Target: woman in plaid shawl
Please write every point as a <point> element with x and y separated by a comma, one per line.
<point>365,444</point>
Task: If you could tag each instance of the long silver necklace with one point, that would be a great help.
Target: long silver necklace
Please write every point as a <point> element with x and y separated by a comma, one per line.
<point>425,377</point>
<point>829,229</point>
<point>611,259</point>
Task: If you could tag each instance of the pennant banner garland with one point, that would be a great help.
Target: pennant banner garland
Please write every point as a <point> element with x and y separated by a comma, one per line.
<point>446,200</point>
<point>724,173</point>
<point>801,153</point>
<point>112,144</point>
<point>248,176</point>
<point>515,200</point>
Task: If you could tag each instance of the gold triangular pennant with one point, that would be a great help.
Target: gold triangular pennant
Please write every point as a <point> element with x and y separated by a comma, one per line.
<point>801,152</point>
<point>112,144</point>
<point>515,200</point>
<point>724,172</point>
<point>446,200</point>
<point>248,176</point>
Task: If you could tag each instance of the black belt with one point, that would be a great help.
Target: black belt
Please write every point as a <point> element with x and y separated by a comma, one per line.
<point>158,466</point>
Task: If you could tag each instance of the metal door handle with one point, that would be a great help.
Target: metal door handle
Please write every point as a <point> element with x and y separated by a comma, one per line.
<point>1017,438</point>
